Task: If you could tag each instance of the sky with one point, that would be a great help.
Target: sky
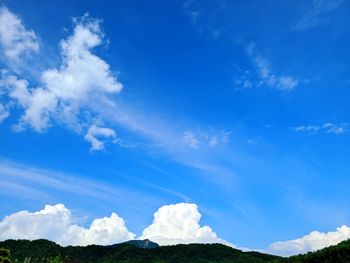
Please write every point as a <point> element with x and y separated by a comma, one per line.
<point>177,121</point>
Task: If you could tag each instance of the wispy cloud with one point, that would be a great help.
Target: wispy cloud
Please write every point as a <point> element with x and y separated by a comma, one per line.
<point>166,136</point>
<point>210,137</point>
<point>15,39</point>
<point>330,128</point>
<point>264,75</point>
<point>39,183</point>
<point>315,15</point>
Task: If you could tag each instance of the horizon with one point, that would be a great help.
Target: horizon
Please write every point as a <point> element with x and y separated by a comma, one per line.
<point>178,122</point>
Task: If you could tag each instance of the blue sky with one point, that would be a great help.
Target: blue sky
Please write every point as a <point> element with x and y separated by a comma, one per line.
<point>241,108</point>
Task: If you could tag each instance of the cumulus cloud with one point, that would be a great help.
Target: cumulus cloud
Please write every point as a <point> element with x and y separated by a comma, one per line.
<point>179,224</point>
<point>314,241</point>
<point>55,223</point>
<point>94,135</point>
<point>65,94</point>
<point>330,128</point>
<point>15,39</point>
<point>66,91</point>
<point>172,224</point>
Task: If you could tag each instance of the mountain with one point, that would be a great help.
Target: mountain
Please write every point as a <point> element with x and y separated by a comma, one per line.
<point>129,252</point>
<point>142,243</point>
<point>146,244</point>
<point>146,251</point>
<point>339,253</point>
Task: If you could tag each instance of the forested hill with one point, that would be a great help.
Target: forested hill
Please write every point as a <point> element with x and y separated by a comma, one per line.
<point>46,251</point>
<point>145,251</point>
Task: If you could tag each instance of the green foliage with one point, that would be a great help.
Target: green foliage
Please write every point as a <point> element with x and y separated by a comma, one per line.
<point>55,260</point>
<point>130,252</point>
<point>334,254</point>
<point>46,251</point>
<point>4,255</point>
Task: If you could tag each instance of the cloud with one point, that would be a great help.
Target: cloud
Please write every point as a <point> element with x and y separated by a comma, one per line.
<point>44,185</point>
<point>190,139</point>
<point>314,241</point>
<point>172,224</point>
<point>4,113</point>
<point>93,135</point>
<point>66,93</point>
<point>335,128</point>
<point>15,39</point>
<point>55,223</point>
<point>78,94</point>
<point>206,138</point>
<point>179,224</point>
<point>314,16</point>
<point>81,78</point>
<point>330,128</point>
<point>264,75</point>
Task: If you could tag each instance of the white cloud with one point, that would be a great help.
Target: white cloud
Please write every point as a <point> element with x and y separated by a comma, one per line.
<point>210,137</point>
<point>94,135</point>
<point>66,91</point>
<point>15,39</point>
<point>311,242</point>
<point>331,128</point>
<point>179,224</point>
<point>66,94</point>
<point>265,76</point>
<point>4,113</point>
<point>335,128</point>
<point>172,224</point>
<point>55,223</point>
<point>190,139</point>
<point>43,185</point>
<point>313,17</point>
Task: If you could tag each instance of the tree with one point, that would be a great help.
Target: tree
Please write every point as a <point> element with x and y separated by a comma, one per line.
<point>4,255</point>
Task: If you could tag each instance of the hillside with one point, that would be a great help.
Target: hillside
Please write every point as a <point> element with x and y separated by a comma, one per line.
<point>46,251</point>
<point>146,251</point>
<point>334,254</point>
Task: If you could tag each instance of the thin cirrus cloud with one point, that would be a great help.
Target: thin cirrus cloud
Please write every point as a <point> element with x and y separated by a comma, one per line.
<point>329,128</point>
<point>205,138</point>
<point>41,184</point>
<point>264,75</point>
<point>315,15</point>
<point>15,39</point>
